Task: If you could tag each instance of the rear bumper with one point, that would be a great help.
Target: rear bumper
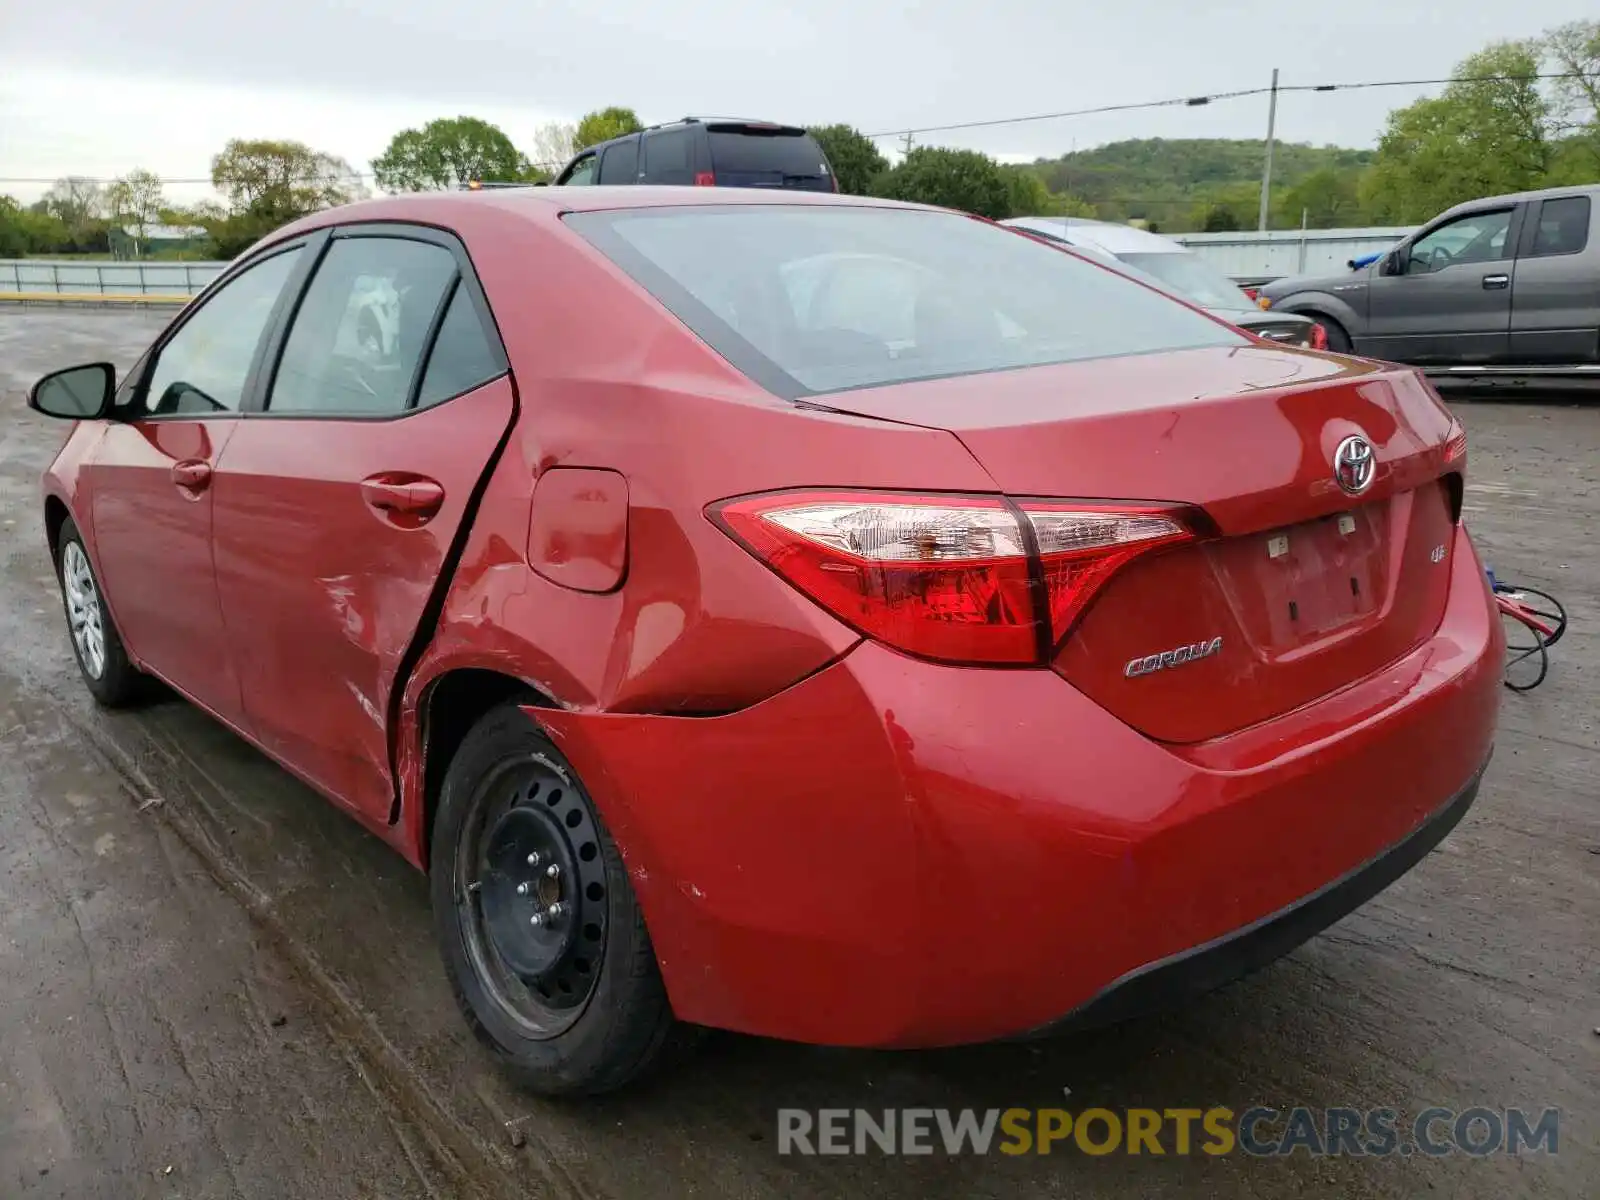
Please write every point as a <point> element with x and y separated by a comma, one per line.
<point>1162,985</point>
<point>893,853</point>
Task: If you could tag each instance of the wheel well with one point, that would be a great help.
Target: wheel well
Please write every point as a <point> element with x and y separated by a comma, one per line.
<point>55,516</point>
<point>455,703</point>
<point>1317,314</point>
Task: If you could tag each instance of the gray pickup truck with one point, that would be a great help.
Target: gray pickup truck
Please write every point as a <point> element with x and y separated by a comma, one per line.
<point>1504,285</point>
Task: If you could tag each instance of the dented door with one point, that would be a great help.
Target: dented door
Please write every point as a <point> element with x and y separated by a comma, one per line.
<point>331,537</point>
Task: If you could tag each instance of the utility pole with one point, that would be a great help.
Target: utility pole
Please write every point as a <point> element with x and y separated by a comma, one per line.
<point>906,141</point>
<point>1266,170</point>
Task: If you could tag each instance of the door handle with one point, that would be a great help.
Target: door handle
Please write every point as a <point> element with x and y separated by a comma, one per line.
<point>1491,282</point>
<point>192,474</point>
<point>402,496</point>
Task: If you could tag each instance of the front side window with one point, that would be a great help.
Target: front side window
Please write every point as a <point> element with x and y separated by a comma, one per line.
<point>1563,226</point>
<point>361,329</point>
<point>583,172</point>
<point>817,299</point>
<point>204,367</point>
<point>1475,238</point>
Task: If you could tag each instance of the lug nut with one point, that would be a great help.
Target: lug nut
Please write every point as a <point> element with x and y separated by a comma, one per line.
<point>552,870</point>
<point>533,859</point>
<point>522,889</point>
<point>536,920</point>
<point>554,911</point>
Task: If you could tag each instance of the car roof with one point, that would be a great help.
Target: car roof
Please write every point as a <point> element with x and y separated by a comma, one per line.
<point>686,122</point>
<point>1582,189</point>
<point>543,205</point>
<point>1104,235</point>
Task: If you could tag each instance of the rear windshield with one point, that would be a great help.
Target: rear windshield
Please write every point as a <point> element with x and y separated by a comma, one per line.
<point>812,299</point>
<point>746,157</point>
<point>1192,276</point>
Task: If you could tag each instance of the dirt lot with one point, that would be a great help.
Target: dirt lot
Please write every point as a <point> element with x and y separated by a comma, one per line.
<point>213,985</point>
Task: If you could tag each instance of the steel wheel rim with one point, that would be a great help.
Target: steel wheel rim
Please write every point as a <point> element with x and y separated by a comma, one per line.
<point>85,615</point>
<point>541,978</point>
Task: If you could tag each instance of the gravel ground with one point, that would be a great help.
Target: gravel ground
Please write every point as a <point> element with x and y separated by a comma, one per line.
<point>212,984</point>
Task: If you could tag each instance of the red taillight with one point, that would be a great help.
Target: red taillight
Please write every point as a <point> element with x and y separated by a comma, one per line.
<point>957,579</point>
<point>705,179</point>
<point>1250,291</point>
<point>1455,446</point>
<point>1319,337</point>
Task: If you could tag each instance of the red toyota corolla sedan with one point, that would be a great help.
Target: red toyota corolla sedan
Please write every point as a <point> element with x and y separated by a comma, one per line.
<point>724,595</point>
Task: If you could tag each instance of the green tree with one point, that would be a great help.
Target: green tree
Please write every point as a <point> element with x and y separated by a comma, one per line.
<point>1223,208</point>
<point>267,184</point>
<point>1485,134</point>
<point>13,232</point>
<point>1027,196</point>
<point>959,179</point>
<point>854,157</point>
<point>135,202</point>
<point>447,153</point>
<point>1574,50</point>
<point>281,180</point>
<point>552,146</point>
<point>603,125</point>
<point>79,204</point>
<point>1217,218</point>
<point>1327,199</point>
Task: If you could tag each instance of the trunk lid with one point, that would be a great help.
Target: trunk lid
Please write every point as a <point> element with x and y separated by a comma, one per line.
<point>1309,587</point>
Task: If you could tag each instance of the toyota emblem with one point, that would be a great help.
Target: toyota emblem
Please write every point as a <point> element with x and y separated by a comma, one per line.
<point>1354,464</point>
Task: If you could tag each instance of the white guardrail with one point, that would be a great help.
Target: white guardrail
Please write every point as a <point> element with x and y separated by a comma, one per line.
<point>78,279</point>
<point>1249,257</point>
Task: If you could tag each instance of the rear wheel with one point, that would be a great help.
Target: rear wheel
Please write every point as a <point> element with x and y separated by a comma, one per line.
<point>542,936</point>
<point>111,678</point>
<point>1338,340</point>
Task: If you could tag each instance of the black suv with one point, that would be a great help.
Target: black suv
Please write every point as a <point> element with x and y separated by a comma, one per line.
<point>707,152</point>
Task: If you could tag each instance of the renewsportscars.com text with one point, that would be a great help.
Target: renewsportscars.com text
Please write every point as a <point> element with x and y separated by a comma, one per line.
<point>1259,1131</point>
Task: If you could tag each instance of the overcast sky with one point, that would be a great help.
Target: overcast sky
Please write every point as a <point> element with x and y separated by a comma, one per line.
<point>97,87</point>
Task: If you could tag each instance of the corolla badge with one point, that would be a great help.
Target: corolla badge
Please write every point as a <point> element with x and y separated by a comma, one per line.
<point>1354,464</point>
<point>1150,663</point>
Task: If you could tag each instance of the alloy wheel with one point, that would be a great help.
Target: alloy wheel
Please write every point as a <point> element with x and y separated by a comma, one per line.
<point>85,614</point>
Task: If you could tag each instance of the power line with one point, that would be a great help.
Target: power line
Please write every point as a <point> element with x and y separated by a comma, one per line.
<point>995,122</point>
<point>1214,97</point>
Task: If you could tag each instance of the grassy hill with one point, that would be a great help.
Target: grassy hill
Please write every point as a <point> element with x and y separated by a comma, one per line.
<point>1190,183</point>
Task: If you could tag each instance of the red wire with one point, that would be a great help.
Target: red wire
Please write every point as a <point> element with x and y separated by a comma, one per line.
<point>1520,612</point>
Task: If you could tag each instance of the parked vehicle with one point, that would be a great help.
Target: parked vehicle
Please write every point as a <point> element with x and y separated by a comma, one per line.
<point>1175,268</point>
<point>1506,283</point>
<point>707,152</point>
<point>734,597</point>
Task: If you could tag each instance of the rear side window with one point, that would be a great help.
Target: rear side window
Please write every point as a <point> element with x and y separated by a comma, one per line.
<point>621,163</point>
<point>808,299</point>
<point>669,157</point>
<point>1563,226</point>
<point>745,156</point>
<point>362,327</point>
<point>463,357</point>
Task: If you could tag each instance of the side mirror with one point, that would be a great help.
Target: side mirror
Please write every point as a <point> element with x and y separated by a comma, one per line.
<point>77,393</point>
<point>1393,263</point>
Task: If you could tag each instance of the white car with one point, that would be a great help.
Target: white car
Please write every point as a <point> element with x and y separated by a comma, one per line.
<point>1176,269</point>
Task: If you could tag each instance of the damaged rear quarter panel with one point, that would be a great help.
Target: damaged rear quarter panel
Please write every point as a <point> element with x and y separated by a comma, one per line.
<point>608,380</point>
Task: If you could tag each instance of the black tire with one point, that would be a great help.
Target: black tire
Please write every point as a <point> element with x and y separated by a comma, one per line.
<point>111,678</point>
<point>507,782</point>
<point>1338,340</point>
